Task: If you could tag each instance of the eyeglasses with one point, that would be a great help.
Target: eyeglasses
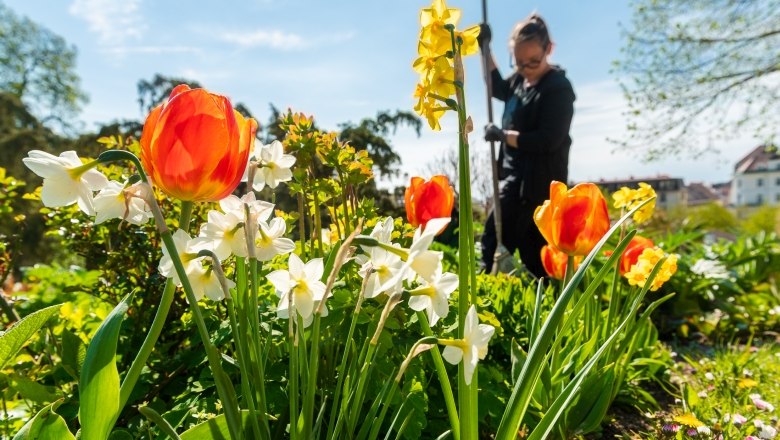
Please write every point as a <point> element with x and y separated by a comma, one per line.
<point>533,64</point>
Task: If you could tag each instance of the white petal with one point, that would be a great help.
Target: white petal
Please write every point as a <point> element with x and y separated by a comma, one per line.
<point>447,283</point>
<point>231,203</point>
<point>258,182</point>
<point>296,267</point>
<point>276,227</point>
<point>94,179</point>
<point>426,263</point>
<point>71,158</point>
<point>85,200</point>
<point>317,289</point>
<point>282,309</point>
<point>314,269</point>
<point>469,365</point>
<point>419,302</point>
<point>286,161</point>
<point>58,192</point>
<point>304,303</point>
<point>452,354</point>
<point>280,279</point>
<point>435,225</point>
<point>45,167</point>
<point>440,306</point>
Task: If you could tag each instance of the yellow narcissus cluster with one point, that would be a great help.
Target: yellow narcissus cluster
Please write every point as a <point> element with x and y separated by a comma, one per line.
<point>630,198</point>
<point>439,45</point>
<point>640,271</point>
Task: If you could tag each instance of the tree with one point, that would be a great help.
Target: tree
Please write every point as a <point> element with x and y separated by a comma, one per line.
<point>700,69</point>
<point>37,66</point>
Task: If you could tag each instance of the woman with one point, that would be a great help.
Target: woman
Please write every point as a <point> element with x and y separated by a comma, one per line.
<point>534,137</point>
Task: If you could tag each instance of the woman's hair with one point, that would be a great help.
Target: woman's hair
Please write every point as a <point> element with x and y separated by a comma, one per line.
<point>533,28</point>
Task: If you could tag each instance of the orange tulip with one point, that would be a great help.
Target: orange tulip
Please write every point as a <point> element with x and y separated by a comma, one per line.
<point>630,256</point>
<point>426,200</point>
<point>555,262</point>
<point>573,220</point>
<point>195,147</point>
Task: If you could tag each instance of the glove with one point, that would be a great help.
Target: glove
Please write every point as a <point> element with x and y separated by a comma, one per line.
<point>483,39</point>
<point>494,134</point>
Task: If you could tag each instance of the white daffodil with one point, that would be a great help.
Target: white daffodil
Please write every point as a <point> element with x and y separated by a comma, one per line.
<point>472,347</point>
<point>384,266</point>
<point>223,234</point>
<point>383,230</point>
<point>434,296</point>
<point>182,240</point>
<point>270,241</point>
<point>65,179</point>
<point>303,282</point>
<point>273,166</point>
<point>420,261</point>
<point>205,283</point>
<point>113,202</point>
<point>258,209</point>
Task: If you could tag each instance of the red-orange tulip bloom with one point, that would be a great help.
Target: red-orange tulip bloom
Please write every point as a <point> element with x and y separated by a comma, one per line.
<point>573,220</point>
<point>635,247</point>
<point>195,147</point>
<point>555,262</point>
<point>426,200</point>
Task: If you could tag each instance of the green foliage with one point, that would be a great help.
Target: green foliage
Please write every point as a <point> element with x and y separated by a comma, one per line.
<point>46,425</point>
<point>99,383</point>
<point>12,340</point>
<point>764,219</point>
<point>714,387</point>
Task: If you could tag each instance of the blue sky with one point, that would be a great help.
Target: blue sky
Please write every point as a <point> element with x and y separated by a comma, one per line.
<point>345,60</point>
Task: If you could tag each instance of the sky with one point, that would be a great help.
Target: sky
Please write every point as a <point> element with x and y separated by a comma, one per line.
<point>345,60</point>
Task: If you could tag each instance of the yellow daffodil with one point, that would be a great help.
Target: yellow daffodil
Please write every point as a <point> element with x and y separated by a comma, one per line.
<point>433,21</point>
<point>623,197</point>
<point>468,40</point>
<point>440,78</point>
<point>431,112</point>
<point>639,272</point>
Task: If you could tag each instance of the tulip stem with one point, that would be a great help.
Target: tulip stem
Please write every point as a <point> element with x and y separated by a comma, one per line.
<point>157,324</point>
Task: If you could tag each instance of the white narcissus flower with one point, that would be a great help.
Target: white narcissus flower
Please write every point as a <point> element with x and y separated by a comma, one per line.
<point>434,296</point>
<point>274,166</point>
<point>222,235</point>
<point>258,209</point>
<point>472,347</point>
<point>384,265</point>
<point>188,258</point>
<point>205,283</point>
<point>113,202</point>
<point>303,283</point>
<point>270,241</point>
<point>65,180</point>
<point>383,230</point>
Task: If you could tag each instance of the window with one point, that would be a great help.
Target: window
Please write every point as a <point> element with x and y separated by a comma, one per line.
<point>759,199</point>
<point>760,182</point>
<point>777,181</point>
<point>662,197</point>
<point>777,197</point>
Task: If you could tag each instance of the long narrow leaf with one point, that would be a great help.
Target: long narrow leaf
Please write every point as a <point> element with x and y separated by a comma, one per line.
<point>99,384</point>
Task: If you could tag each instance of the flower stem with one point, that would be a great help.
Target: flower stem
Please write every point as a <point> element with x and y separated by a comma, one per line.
<point>444,379</point>
<point>157,324</point>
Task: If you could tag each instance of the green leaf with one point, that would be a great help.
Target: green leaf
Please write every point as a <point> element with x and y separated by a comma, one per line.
<point>46,425</point>
<point>215,429</point>
<point>32,390</point>
<point>12,340</point>
<point>120,434</point>
<point>99,384</point>
<point>74,351</point>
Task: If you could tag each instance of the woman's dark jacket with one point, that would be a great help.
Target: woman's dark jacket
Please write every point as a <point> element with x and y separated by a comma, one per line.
<point>542,114</point>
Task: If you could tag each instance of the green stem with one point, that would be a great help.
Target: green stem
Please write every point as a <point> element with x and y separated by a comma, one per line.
<point>292,344</point>
<point>254,326</point>
<point>444,379</point>
<point>157,324</point>
<point>224,386</point>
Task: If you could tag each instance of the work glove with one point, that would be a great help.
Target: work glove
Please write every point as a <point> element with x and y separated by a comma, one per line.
<point>494,134</point>
<point>483,39</point>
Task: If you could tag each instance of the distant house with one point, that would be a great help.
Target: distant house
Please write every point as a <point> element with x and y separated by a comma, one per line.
<point>757,178</point>
<point>670,191</point>
<point>723,189</point>
<point>700,193</point>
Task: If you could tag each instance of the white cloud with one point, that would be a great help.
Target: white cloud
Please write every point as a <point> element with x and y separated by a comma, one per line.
<point>114,21</point>
<point>281,40</point>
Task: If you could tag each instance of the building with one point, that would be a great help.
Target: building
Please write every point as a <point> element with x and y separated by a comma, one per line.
<point>757,178</point>
<point>669,191</point>
<point>699,193</point>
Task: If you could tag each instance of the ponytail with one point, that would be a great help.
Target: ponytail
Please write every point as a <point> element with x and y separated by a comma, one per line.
<point>532,28</point>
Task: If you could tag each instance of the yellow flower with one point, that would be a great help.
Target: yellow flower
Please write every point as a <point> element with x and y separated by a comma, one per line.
<point>637,275</point>
<point>747,383</point>
<point>433,20</point>
<point>440,78</point>
<point>688,419</point>
<point>468,39</point>
<point>425,62</point>
<point>431,112</point>
<point>623,197</point>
